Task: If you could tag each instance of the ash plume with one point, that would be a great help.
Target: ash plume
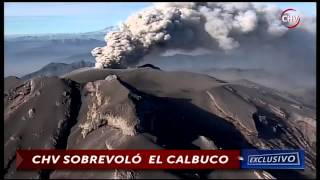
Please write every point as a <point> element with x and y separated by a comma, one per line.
<point>188,26</point>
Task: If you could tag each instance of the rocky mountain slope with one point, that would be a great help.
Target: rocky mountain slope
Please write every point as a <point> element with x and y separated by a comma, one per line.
<point>148,108</point>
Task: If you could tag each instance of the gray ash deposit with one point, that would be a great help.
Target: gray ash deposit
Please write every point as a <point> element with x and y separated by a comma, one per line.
<point>147,108</point>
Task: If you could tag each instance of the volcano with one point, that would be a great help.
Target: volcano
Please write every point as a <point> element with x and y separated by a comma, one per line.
<point>150,108</point>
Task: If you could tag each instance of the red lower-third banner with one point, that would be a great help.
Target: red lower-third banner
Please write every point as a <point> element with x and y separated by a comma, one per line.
<point>127,159</point>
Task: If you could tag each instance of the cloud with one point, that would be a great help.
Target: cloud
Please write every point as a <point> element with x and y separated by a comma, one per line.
<point>218,35</point>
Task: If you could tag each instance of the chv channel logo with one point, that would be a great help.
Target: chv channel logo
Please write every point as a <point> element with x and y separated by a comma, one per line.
<point>290,18</point>
<point>272,159</point>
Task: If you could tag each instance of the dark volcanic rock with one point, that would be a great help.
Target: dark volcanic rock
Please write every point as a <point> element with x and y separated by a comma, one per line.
<point>150,66</point>
<point>38,116</point>
<point>145,108</point>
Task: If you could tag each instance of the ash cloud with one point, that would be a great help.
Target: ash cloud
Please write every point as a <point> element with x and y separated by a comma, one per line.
<point>240,33</point>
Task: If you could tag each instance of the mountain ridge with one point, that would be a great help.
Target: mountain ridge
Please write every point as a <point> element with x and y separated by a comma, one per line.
<point>147,108</point>
<point>57,69</point>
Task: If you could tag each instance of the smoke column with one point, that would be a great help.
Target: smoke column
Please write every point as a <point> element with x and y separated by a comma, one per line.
<point>187,26</point>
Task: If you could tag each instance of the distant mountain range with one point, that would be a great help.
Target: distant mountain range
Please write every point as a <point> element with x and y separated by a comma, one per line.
<point>27,53</point>
<point>57,69</point>
<point>86,35</point>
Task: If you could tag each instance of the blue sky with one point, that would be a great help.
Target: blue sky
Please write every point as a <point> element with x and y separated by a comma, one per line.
<point>71,17</point>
